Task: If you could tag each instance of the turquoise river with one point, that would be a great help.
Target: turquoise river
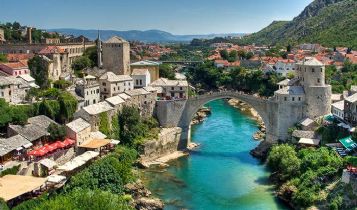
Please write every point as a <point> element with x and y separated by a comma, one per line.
<point>220,174</point>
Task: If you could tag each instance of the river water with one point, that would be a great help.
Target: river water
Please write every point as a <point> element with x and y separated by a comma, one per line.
<point>220,174</point>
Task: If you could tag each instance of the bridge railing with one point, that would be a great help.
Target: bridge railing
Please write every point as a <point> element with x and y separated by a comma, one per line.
<point>228,92</point>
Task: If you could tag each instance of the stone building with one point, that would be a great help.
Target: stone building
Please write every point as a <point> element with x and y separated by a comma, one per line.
<point>78,130</point>
<point>112,84</point>
<point>337,109</point>
<point>74,50</point>
<point>13,90</point>
<point>141,78</point>
<point>305,96</point>
<point>144,100</point>
<point>171,89</point>
<point>88,88</point>
<point>116,102</point>
<point>14,68</point>
<point>311,74</point>
<point>116,55</point>
<point>350,110</point>
<point>57,61</point>
<point>152,66</point>
<point>92,114</point>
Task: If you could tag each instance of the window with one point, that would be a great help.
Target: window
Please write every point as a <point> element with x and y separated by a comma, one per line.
<point>104,84</point>
<point>293,98</point>
<point>318,80</point>
<point>97,90</point>
<point>114,88</point>
<point>312,70</point>
<point>137,82</point>
<point>105,89</point>
<point>299,98</point>
<point>321,69</point>
<point>87,92</point>
<point>285,98</point>
<point>141,82</point>
<point>181,88</point>
<point>172,88</point>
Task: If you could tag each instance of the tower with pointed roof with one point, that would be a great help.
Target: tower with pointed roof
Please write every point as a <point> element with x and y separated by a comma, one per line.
<point>116,55</point>
<point>99,51</point>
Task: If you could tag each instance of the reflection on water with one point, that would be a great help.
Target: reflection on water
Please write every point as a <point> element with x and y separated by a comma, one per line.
<point>221,174</point>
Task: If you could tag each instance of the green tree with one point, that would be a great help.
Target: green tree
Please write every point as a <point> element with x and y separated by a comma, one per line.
<point>81,63</point>
<point>57,132</point>
<point>233,56</point>
<point>130,125</point>
<point>283,160</point>
<point>46,109</point>
<point>224,54</point>
<point>39,71</point>
<point>167,71</point>
<point>3,58</point>
<point>91,53</point>
<point>104,126</point>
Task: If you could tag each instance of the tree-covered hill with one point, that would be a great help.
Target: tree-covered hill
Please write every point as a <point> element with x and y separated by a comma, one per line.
<point>328,22</point>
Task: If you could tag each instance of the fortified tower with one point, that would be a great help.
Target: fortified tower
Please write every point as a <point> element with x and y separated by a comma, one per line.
<point>116,56</point>
<point>311,74</point>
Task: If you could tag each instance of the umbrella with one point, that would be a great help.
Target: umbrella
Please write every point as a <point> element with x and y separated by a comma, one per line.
<point>59,144</point>
<point>68,141</point>
<point>37,153</point>
<point>49,148</point>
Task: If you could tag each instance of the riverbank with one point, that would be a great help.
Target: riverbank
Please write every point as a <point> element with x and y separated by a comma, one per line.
<point>247,109</point>
<point>220,174</point>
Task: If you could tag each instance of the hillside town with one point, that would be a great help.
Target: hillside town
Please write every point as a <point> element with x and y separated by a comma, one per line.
<point>78,104</point>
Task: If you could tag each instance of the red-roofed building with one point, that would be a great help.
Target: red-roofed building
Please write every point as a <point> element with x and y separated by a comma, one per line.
<point>14,68</point>
<point>15,57</point>
<point>51,50</point>
<point>352,58</point>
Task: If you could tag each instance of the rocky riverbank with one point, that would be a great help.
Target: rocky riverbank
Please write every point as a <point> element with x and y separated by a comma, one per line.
<point>142,198</point>
<point>247,109</point>
<point>201,115</point>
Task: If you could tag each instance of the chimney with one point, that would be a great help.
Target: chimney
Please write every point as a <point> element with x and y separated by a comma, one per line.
<point>29,35</point>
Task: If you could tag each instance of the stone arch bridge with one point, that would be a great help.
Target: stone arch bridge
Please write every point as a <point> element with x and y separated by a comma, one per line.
<point>276,117</point>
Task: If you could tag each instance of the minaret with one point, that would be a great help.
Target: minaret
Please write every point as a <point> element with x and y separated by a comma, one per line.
<point>99,51</point>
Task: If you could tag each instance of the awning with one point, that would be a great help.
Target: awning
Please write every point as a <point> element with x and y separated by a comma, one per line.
<point>68,142</point>
<point>348,143</point>
<point>308,141</point>
<point>56,179</point>
<point>19,148</point>
<point>113,141</point>
<point>13,186</point>
<point>78,161</point>
<point>95,143</point>
<point>27,145</point>
<point>38,153</point>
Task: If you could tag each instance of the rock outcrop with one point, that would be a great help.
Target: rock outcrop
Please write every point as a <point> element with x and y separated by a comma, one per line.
<point>201,115</point>
<point>142,197</point>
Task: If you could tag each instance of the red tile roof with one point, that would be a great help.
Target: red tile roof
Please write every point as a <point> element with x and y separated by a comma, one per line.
<point>51,50</point>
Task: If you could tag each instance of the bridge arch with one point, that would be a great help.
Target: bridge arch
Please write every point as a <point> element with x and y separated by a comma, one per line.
<point>264,107</point>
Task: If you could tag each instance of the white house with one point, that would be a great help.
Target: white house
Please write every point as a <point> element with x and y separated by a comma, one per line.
<point>337,109</point>
<point>283,67</point>
<point>112,84</point>
<point>141,78</point>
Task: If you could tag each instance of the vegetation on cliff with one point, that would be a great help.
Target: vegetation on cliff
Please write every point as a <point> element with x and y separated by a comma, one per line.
<point>328,22</point>
<point>207,76</point>
<point>100,186</point>
<point>304,176</point>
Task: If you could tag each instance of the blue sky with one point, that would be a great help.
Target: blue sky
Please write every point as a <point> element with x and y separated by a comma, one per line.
<point>175,16</point>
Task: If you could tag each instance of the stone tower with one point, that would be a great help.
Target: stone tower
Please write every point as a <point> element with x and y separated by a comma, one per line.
<point>116,55</point>
<point>311,74</point>
<point>99,51</point>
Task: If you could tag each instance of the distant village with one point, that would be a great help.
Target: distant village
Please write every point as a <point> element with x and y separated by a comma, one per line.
<point>125,76</point>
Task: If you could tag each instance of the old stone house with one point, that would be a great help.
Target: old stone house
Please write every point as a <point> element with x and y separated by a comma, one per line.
<point>141,78</point>
<point>79,130</point>
<point>112,84</point>
<point>152,66</point>
<point>13,90</point>
<point>171,89</point>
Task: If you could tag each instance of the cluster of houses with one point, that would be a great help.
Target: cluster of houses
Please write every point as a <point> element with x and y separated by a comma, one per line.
<point>282,66</point>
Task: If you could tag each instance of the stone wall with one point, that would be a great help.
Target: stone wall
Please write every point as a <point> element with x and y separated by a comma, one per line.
<point>318,100</point>
<point>167,143</point>
<point>169,113</point>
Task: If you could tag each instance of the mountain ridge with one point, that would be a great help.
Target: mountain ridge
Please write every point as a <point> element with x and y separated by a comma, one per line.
<point>153,35</point>
<point>328,22</point>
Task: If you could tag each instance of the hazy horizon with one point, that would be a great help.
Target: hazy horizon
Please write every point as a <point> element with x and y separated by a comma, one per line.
<point>185,17</point>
